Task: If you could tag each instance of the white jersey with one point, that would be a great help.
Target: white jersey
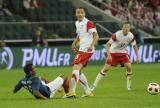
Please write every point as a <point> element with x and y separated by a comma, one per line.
<point>119,42</point>
<point>85,30</point>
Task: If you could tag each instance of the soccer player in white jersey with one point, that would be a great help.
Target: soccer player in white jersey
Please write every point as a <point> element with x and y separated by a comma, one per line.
<point>117,54</point>
<point>87,37</point>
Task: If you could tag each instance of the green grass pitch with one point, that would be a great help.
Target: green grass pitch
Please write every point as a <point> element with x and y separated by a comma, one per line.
<point>110,93</point>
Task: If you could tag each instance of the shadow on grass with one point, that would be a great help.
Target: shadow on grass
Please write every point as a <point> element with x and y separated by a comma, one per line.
<point>19,99</point>
<point>26,99</point>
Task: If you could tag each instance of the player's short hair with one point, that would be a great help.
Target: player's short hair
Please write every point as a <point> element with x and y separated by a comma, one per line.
<point>27,68</point>
<point>126,22</point>
<point>81,8</point>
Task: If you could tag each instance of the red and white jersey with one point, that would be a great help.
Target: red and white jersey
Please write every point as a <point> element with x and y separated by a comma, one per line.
<point>85,30</point>
<point>119,42</point>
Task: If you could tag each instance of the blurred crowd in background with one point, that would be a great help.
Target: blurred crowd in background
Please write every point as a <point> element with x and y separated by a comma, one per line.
<point>145,14</point>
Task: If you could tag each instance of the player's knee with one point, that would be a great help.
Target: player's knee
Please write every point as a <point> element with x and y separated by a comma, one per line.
<point>128,75</point>
<point>129,69</point>
<point>104,70</point>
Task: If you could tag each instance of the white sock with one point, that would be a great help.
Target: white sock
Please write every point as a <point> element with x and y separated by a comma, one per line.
<point>74,80</point>
<point>84,83</point>
<point>55,85</point>
<point>99,77</point>
<point>128,78</point>
<point>128,83</point>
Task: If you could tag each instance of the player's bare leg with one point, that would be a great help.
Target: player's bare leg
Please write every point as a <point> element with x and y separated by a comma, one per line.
<point>100,75</point>
<point>128,75</point>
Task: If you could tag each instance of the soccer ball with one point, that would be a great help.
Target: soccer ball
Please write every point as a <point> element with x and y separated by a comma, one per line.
<point>153,88</point>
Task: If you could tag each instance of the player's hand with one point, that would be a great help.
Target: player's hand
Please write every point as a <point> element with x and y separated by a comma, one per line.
<point>74,48</point>
<point>109,58</point>
<point>90,49</point>
<point>137,60</point>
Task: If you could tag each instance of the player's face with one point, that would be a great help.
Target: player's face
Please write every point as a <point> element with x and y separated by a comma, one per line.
<point>126,28</point>
<point>33,72</point>
<point>38,33</point>
<point>80,14</point>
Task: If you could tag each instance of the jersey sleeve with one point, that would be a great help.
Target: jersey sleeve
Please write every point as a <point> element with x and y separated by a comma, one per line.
<point>76,28</point>
<point>112,39</point>
<point>90,27</point>
<point>36,83</point>
<point>17,87</point>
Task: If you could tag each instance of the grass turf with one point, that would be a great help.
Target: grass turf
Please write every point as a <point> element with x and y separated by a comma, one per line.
<point>110,93</point>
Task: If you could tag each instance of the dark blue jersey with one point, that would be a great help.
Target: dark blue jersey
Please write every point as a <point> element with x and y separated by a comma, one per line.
<point>32,83</point>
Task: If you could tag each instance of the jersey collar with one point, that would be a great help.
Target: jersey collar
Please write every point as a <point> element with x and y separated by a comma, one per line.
<point>82,20</point>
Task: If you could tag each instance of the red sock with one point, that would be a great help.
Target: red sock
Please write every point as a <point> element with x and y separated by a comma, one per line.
<point>66,85</point>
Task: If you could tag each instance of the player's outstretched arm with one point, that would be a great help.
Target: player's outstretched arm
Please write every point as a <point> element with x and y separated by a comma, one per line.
<point>95,40</point>
<point>17,87</point>
<point>38,94</point>
<point>108,45</point>
<point>74,48</point>
<point>136,50</point>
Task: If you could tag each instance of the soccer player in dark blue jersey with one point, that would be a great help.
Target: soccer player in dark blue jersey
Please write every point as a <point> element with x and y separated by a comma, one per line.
<point>39,87</point>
